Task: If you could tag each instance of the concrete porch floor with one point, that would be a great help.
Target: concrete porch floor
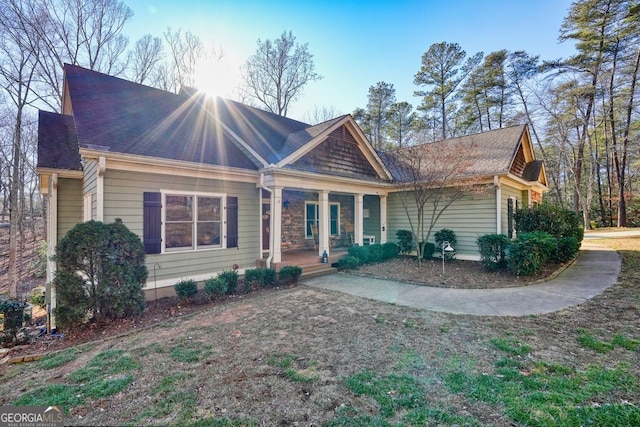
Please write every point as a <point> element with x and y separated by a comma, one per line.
<point>309,260</point>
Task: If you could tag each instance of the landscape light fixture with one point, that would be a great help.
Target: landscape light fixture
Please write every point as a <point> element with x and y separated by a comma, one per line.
<point>446,247</point>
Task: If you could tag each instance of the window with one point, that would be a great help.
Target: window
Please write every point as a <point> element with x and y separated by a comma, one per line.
<point>312,216</point>
<point>189,222</point>
<point>189,215</point>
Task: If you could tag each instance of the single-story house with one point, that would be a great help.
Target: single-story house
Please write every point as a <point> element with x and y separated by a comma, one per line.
<point>208,182</point>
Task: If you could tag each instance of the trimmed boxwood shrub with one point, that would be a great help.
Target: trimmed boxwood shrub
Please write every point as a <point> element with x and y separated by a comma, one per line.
<point>215,287</point>
<point>231,279</point>
<point>359,252</point>
<point>428,249</point>
<point>446,235</point>
<point>405,241</point>
<point>566,249</point>
<point>348,262</point>
<point>493,251</point>
<point>289,275</point>
<point>389,250</point>
<point>186,289</point>
<point>255,278</point>
<point>530,251</point>
<point>101,272</point>
<point>374,253</point>
<point>554,220</point>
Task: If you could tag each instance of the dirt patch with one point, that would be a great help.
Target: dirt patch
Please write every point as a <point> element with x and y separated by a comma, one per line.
<point>458,274</point>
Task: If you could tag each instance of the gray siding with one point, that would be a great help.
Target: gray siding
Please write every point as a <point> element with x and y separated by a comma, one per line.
<point>90,183</point>
<point>69,205</point>
<point>123,198</point>
<point>469,218</point>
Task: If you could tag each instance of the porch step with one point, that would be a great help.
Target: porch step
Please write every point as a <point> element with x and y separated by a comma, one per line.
<point>313,270</point>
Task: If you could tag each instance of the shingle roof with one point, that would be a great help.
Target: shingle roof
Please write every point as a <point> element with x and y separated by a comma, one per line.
<point>125,117</point>
<point>491,152</point>
<point>57,142</point>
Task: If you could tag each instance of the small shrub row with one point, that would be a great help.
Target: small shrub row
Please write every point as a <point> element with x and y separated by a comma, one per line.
<point>370,254</point>
<point>226,283</point>
<point>525,255</point>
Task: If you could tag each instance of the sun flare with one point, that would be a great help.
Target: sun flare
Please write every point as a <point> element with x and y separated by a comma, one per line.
<point>217,77</point>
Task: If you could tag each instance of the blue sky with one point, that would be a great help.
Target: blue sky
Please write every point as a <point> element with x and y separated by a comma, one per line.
<point>355,43</point>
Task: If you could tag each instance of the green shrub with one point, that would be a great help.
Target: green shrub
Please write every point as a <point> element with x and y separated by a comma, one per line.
<point>551,219</point>
<point>493,251</point>
<point>428,249</point>
<point>215,287</point>
<point>566,249</point>
<point>231,279</point>
<point>374,253</point>
<point>100,273</point>
<point>255,278</point>
<point>545,243</point>
<point>289,274</point>
<point>359,252</point>
<point>405,241</point>
<point>348,262</point>
<point>530,251</point>
<point>38,298</point>
<point>446,235</point>
<point>524,257</point>
<point>389,250</point>
<point>186,289</point>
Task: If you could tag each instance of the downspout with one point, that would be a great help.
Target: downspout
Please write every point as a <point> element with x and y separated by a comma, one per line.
<point>496,183</point>
<point>271,218</point>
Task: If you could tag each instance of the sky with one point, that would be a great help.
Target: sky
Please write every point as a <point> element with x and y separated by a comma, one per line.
<point>355,44</point>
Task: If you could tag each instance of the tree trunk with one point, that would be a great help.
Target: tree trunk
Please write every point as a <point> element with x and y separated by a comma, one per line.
<point>14,208</point>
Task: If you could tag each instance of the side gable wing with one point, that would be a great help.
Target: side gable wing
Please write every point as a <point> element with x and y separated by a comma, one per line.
<point>524,164</point>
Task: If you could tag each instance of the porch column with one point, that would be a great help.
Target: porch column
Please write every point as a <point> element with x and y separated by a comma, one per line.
<point>276,225</point>
<point>323,219</point>
<point>383,218</point>
<point>358,214</point>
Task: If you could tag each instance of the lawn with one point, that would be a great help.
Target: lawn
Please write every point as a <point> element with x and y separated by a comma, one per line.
<point>315,357</point>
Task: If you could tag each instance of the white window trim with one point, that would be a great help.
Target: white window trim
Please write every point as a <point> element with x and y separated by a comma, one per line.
<point>194,231</point>
<point>317,204</point>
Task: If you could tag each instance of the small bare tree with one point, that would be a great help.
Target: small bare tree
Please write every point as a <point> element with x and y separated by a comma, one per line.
<point>276,74</point>
<point>432,177</point>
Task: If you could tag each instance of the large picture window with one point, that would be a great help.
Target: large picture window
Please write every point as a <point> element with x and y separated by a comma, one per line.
<point>193,221</point>
<point>312,216</point>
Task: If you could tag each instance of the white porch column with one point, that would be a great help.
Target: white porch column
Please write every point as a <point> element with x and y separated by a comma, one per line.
<point>323,219</point>
<point>383,218</point>
<point>102,167</point>
<point>358,213</point>
<point>52,239</point>
<point>276,225</point>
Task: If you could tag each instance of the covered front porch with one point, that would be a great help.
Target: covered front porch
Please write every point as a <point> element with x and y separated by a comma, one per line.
<point>302,219</point>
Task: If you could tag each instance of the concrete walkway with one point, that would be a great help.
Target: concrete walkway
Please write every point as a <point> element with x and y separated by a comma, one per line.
<point>596,268</point>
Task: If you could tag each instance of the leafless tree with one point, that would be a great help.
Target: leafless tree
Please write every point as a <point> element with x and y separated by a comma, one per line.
<point>319,115</point>
<point>145,58</point>
<point>432,177</point>
<point>186,51</point>
<point>278,72</point>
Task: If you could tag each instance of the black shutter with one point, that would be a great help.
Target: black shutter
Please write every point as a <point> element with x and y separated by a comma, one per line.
<point>152,223</point>
<point>510,217</point>
<point>232,222</point>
